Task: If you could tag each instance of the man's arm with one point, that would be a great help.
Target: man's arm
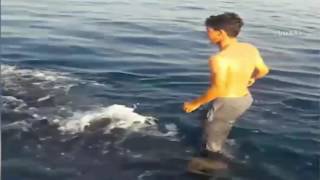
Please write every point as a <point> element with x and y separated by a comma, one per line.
<point>218,75</point>
<point>261,69</point>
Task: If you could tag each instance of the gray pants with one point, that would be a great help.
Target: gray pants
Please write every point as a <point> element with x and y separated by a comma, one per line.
<point>220,119</point>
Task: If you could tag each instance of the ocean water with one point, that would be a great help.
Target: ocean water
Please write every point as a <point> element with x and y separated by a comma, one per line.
<point>93,90</point>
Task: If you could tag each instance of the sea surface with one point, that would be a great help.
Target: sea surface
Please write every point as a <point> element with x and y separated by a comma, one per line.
<point>93,89</point>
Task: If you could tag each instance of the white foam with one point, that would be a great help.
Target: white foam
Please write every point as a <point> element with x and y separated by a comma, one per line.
<point>119,115</point>
<point>171,132</point>
<point>172,129</point>
<point>12,76</point>
<point>17,125</point>
<point>147,174</point>
<point>47,75</point>
<point>11,98</point>
<point>19,79</point>
<point>13,102</point>
<point>44,98</point>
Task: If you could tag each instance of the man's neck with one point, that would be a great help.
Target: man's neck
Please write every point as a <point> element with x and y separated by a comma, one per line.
<point>226,43</point>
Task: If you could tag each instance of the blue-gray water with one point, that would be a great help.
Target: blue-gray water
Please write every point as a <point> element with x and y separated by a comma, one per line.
<point>76,60</point>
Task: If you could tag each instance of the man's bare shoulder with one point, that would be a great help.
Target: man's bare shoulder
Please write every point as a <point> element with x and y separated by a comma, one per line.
<point>217,60</point>
<point>249,46</point>
<point>215,57</point>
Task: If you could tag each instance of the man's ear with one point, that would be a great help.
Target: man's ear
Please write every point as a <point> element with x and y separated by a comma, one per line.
<point>210,30</point>
<point>223,33</point>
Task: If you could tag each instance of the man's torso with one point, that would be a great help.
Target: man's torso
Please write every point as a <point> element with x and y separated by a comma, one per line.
<point>240,59</point>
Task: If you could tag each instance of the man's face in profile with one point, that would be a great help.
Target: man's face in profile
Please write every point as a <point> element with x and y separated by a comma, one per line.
<point>215,36</point>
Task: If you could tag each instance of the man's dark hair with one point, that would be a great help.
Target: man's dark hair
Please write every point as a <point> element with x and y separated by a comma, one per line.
<point>231,23</point>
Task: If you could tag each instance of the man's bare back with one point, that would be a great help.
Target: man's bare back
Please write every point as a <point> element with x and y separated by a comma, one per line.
<point>239,62</point>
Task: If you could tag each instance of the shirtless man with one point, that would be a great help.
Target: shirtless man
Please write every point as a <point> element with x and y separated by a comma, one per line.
<point>233,69</point>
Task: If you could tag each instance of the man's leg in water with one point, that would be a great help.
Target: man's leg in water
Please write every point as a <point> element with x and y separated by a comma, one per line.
<point>220,119</point>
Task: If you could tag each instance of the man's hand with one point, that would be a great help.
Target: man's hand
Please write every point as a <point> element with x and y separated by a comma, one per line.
<point>251,82</point>
<point>190,106</point>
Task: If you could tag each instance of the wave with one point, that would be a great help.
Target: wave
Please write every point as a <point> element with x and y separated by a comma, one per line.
<point>65,100</point>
